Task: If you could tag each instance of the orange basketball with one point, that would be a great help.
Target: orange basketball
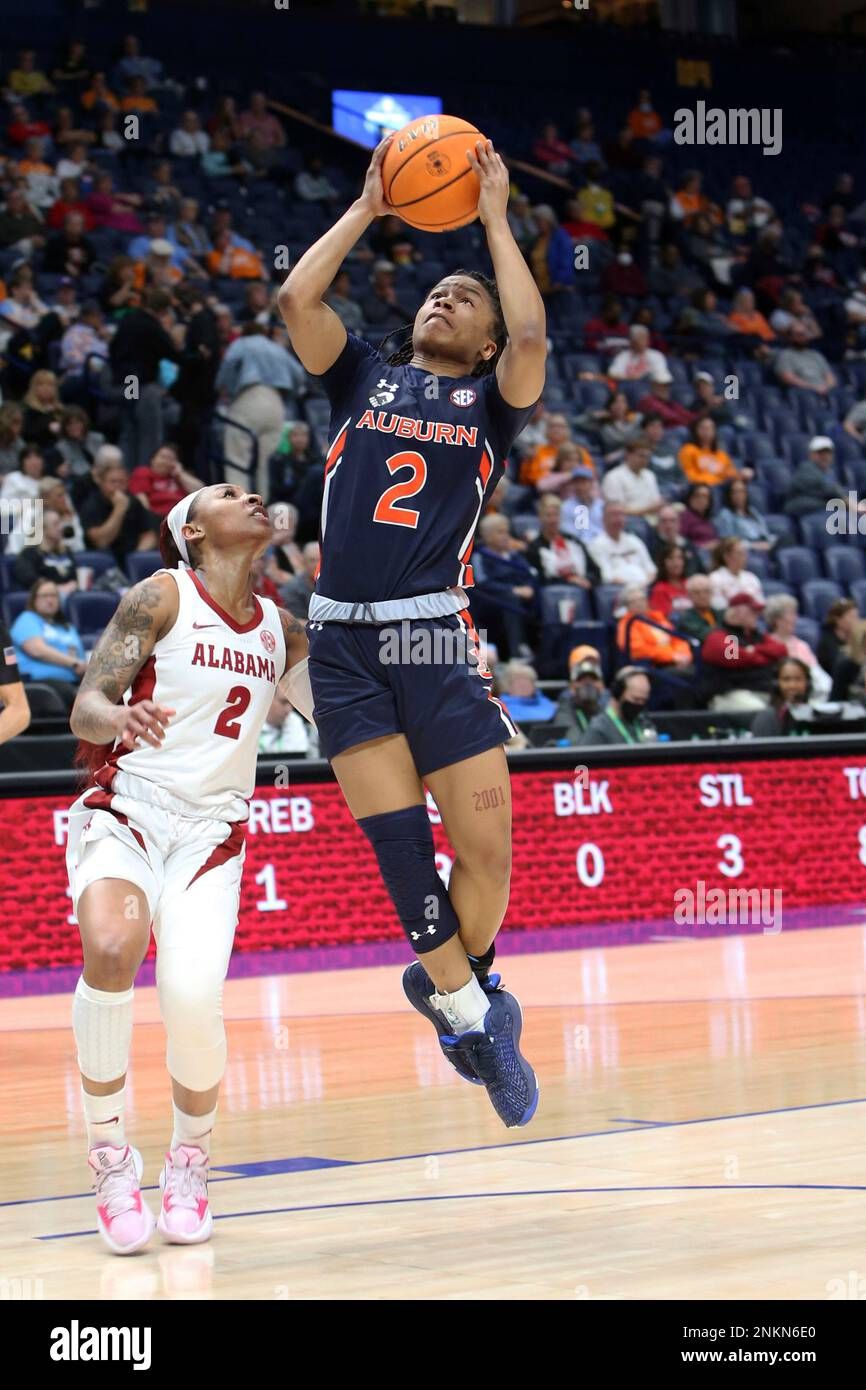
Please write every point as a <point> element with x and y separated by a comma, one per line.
<point>426,176</point>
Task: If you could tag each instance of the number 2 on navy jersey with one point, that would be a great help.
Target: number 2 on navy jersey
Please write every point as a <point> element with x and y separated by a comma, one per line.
<point>386,511</point>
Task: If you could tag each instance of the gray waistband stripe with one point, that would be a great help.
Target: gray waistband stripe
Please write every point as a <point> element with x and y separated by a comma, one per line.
<point>331,610</point>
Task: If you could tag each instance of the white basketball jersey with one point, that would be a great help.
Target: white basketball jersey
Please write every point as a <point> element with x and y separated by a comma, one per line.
<point>219,677</point>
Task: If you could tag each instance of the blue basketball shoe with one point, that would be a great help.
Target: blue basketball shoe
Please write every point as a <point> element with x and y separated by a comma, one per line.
<point>494,1054</point>
<point>418,987</point>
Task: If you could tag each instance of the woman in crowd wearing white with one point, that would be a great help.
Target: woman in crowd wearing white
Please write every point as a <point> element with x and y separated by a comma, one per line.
<point>158,835</point>
<point>729,575</point>
<point>780,616</point>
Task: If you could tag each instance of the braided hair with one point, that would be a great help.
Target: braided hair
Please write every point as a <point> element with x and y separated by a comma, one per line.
<point>405,351</point>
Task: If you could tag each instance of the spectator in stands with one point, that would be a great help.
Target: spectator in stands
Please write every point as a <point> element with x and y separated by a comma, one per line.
<point>52,558</point>
<point>296,593</point>
<point>701,618</point>
<point>22,307</point>
<point>624,719</point>
<point>11,438</point>
<point>99,96</point>
<point>792,308</point>
<point>291,461</point>
<point>42,410</point>
<point>557,432</point>
<point>624,276</point>
<point>113,519</point>
<point>669,595</point>
<point>556,558</point>
<point>382,307</point>
<point>188,140</point>
<point>232,261</point>
<point>568,457</point>
<point>73,73</point>
<point>163,482</point>
<point>74,162</point>
<point>48,647</point>
<point>645,634</point>
<point>56,497</point>
<point>738,517</point>
<point>552,152</point>
<point>780,617</point>
<point>633,483</point>
<point>848,668</point>
<point>551,256</point>
<point>523,226</point>
<point>801,367</point>
<point>221,162</point>
<point>26,80</point>
<point>613,426</point>
<point>671,279</point>
<point>339,298</point>
<point>703,320</point>
<point>312,185</point>
<point>585,149</point>
<point>663,454</point>
<point>520,694</point>
<point>740,673</point>
<point>391,240</point>
<point>22,485</point>
<point>582,506</point>
<point>69,252</point>
<point>702,461</point>
<point>747,320</point>
<point>41,186</point>
<point>643,122</point>
<point>257,304</point>
<point>585,695</point>
<point>261,382</point>
<point>85,338</point>
<point>620,555</point>
<point>708,402</point>
<point>668,533</point>
<point>134,64</point>
<point>658,401</point>
<point>791,688</point>
<point>638,361</point>
<point>506,586</point>
<point>287,554</point>
<point>65,305</point>
<point>108,137</point>
<point>286,731</point>
<point>814,483</point>
<point>690,202</point>
<point>144,339</point>
<point>729,575</point>
<point>114,211</point>
<point>69,200</point>
<point>594,208</point>
<point>258,118</point>
<point>70,142</point>
<point>69,455</point>
<point>696,523</point>
<point>621,154</point>
<point>607,333</point>
<point>138,99</point>
<point>836,630</point>
<point>21,228</point>
<point>707,249</point>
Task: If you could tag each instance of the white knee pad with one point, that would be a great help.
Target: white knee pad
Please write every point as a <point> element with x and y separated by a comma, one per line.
<point>192,1011</point>
<point>102,1024</point>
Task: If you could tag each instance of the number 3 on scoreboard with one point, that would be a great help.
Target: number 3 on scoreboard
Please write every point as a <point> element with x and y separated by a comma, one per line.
<point>386,511</point>
<point>228,723</point>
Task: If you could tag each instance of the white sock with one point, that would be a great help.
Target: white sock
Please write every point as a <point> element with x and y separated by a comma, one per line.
<point>105,1118</point>
<point>192,1129</point>
<point>464,1008</point>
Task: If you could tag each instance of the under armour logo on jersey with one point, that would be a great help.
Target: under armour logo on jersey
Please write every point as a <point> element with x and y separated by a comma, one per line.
<point>463,395</point>
<point>416,935</point>
<point>384,394</point>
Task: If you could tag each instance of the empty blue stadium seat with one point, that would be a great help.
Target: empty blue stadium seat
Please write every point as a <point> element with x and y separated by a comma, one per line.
<point>810,631</point>
<point>857,590</point>
<point>525,525</point>
<point>816,595</point>
<point>813,529</point>
<point>140,564</point>
<point>845,563</point>
<point>92,612</point>
<point>605,599</point>
<point>576,603</point>
<point>797,565</point>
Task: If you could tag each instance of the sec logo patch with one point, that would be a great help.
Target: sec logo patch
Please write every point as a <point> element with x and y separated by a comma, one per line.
<point>268,640</point>
<point>463,395</point>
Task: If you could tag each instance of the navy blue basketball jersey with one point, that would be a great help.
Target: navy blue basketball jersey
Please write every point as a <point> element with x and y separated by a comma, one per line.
<point>413,459</point>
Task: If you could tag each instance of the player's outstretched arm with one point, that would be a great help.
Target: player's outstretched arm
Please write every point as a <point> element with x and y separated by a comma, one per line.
<point>520,369</point>
<point>317,335</point>
<point>145,612</point>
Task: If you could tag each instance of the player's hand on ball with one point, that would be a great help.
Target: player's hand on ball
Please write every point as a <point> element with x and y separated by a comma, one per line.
<point>493,177</point>
<point>144,722</point>
<point>373,195</point>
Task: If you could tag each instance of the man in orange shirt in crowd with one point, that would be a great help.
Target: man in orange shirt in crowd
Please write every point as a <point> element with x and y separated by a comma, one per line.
<point>234,262</point>
<point>639,641</point>
<point>543,460</point>
<point>643,122</point>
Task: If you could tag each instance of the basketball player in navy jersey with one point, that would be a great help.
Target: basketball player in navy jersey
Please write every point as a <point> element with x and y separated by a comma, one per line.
<point>418,443</point>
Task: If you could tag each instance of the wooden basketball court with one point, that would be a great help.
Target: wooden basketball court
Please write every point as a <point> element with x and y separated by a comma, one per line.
<point>700,1134</point>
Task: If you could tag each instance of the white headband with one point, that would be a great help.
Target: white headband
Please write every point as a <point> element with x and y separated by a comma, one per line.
<point>177,520</point>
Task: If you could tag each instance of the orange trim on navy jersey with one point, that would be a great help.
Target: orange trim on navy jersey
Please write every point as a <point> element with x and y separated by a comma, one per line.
<point>335,450</point>
<point>227,617</point>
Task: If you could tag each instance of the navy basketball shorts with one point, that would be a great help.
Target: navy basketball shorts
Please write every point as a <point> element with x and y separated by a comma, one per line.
<point>420,677</point>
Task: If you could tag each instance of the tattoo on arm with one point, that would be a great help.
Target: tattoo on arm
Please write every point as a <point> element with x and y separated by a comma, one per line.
<point>117,659</point>
<point>294,632</point>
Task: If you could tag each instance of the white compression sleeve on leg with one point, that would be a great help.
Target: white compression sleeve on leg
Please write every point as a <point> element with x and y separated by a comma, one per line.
<point>295,685</point>
<point>102,1023</point>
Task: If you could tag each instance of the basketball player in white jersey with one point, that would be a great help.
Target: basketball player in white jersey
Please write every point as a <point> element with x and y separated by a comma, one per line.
<point>158,836</point>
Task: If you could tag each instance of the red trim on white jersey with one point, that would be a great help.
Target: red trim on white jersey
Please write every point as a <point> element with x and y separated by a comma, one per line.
<point>226,617</point>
